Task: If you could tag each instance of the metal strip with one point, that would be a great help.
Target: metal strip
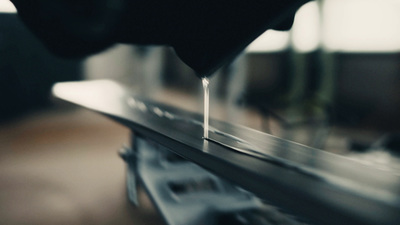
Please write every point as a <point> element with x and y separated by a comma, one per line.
<point>326,188</point>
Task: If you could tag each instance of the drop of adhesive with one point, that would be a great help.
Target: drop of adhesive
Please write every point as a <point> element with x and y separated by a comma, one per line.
<point>206,97</point>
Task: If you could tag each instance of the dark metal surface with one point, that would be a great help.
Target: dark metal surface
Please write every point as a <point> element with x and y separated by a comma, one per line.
<point>323,187</point>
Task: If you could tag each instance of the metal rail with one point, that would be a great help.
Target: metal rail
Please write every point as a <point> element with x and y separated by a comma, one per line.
<point>322,187</point>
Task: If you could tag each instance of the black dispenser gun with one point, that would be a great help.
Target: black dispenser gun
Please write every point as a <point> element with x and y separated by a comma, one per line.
<point>205,34</point>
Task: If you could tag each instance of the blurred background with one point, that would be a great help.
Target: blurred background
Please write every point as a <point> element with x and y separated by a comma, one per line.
<point>332,82</point>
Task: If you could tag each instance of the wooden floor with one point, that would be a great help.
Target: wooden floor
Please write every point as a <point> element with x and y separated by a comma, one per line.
<point>60,166</point>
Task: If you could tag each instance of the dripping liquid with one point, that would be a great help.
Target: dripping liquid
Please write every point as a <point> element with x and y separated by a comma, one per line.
<point>206,97</point>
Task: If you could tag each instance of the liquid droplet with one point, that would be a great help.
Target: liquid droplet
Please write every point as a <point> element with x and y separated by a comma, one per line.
<point>206,97</point>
